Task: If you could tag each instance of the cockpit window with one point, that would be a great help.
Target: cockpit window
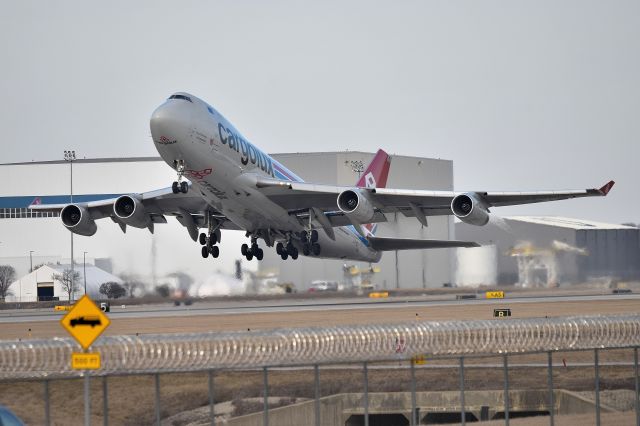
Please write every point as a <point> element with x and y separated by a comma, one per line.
<point>186,98</point>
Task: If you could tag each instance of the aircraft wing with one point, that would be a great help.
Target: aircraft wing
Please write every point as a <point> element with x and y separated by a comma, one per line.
<point>189,209</point>
<point>391,244</point>
<point>300,196</point>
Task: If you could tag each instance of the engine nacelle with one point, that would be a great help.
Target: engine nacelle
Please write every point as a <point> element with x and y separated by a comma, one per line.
<point>78,220</point>
<point>131,211</point>
<point>470,209</point>
<point>355,204</point>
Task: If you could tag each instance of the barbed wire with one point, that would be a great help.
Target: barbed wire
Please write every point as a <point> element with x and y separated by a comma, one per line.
<point>41,358</point>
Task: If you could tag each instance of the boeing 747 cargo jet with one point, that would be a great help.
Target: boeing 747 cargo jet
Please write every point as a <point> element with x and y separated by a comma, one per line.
<point>234,185</point>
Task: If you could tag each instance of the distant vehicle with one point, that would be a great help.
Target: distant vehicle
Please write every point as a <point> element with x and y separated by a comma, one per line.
<point>92,321</point>
<point>321,285</point>
<point>7,418</point>
<point>181,296</point>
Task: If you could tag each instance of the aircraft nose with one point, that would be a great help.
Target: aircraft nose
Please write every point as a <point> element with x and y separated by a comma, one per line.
<point>170,123</point>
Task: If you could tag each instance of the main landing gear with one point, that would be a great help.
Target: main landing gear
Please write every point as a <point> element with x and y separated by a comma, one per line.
<point>180,185</point>
<point>253,251</point>
<point>311,245</point>
<point>286,251</point>
<point>209,246</point>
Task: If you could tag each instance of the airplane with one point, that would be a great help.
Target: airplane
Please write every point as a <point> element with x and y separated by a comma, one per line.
<point>224,182</point>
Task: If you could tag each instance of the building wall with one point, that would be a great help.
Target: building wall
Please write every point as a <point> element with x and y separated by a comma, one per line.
<point>612,252</point>
<point>413,268</point>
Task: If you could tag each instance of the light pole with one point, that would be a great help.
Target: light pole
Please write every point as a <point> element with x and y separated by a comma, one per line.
<point>84,270</point>
<point>30,260</point>
<point>70,156</point>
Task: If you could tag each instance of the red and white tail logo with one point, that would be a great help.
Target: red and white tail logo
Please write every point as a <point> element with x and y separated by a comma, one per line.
<point>375,176</point>
<point>36,201</point>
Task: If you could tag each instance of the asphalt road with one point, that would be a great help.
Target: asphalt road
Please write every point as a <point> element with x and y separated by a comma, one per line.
<point>302,305</point>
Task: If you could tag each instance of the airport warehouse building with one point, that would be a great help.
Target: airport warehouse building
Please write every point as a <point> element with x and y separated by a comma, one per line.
<point>29,238</point>
<point>558,250</point>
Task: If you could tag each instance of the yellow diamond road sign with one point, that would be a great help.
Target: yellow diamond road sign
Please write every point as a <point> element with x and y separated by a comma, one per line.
<point>85,322</point>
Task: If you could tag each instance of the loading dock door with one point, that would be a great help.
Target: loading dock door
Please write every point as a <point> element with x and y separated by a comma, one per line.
<point>45,292</point>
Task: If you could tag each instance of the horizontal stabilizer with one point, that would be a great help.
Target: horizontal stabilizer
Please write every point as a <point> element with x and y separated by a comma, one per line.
<point>391,244</point>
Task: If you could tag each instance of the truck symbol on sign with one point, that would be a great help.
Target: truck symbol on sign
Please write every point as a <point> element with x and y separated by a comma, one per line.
<point>92,321</point>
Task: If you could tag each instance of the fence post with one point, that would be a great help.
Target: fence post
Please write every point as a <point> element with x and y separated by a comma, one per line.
<point>550,385</point>
<point>87,405</point>
<point>47,406</point>
<point>316,385</point>
<point>506,389</point>
<point>105,402</point>
<point>635,370</point>
<point>414,420</point>
<point>212,402</point>
<point>265,418</point>
<point>366,395</point>
<point>597,368</point>
<point>157,383</point>
<point>463,415</point>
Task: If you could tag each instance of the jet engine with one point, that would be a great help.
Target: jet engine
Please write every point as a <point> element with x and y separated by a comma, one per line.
<point>78,220</point>
<point>355,204</point>
<point>130,210</point>
<point>470,209</point>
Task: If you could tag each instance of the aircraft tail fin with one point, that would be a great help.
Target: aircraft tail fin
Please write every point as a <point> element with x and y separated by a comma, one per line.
<point>375,176</point>
<point>392,244</point>
<point>376,173</point>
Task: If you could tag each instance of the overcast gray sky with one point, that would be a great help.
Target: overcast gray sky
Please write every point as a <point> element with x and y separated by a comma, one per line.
<point>521,95</point>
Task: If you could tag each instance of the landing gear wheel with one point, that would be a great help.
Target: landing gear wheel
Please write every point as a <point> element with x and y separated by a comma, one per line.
<point>215,251</point>
<point>213,239</point>
<point>294,255</point>
<point>314,236</point>
<point>175,187</point>
<point>249,256</point>
<point>315,248</point>
<point>203,238</point>
<point>244,249</point>
<point>279,248</point>
<point>259,254</point>
<point>306,249</point>
<point>184,187</point>
<point>205,252</point>
<point>284,255</point>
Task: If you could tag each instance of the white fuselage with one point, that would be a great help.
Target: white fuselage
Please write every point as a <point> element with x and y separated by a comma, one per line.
<point>222,165</point>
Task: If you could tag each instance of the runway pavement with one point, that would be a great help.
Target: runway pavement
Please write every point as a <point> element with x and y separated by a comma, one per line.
<point>301,305</point>
<point>252,315</point>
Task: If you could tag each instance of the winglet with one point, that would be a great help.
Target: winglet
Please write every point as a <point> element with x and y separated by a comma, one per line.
<point>606,188</point>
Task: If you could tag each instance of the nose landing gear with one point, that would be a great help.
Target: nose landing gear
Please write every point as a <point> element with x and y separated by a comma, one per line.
<point>180,185</point>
